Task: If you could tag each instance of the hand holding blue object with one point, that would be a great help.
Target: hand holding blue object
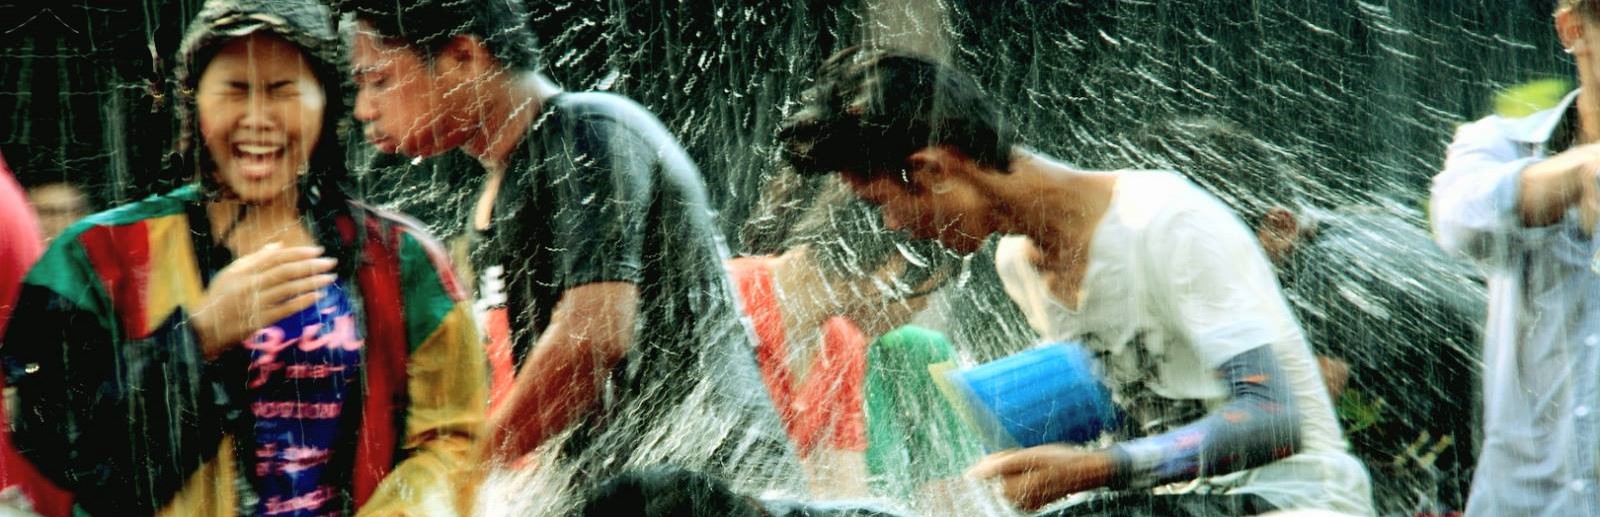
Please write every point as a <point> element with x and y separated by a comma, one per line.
<point>1050,394</point>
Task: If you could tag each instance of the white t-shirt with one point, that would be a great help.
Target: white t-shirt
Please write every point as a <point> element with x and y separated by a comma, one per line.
<point>1176,286</point>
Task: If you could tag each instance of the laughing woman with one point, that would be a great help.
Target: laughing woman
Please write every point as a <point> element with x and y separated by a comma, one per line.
<point>256,342</point>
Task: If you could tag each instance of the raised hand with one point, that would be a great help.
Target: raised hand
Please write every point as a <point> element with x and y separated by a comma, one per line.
<point>256,290</point>
<point>1568,179</point>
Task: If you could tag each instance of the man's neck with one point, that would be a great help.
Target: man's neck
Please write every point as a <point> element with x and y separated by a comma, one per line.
<point>510,106</point>
<point>1053,204</point>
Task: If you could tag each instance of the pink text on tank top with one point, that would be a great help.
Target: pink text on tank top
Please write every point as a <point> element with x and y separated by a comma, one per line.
<point>269,341</point>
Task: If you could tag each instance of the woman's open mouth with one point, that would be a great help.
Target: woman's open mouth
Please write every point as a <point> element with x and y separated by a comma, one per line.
<point>257,161</point>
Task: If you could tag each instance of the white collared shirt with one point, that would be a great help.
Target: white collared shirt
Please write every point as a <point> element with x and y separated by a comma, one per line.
<point>1542,340</point>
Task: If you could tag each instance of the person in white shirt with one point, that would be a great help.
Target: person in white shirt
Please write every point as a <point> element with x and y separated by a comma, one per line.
<point>1373,295</point>
<point>1520,197</point>
<point>1155,276</point>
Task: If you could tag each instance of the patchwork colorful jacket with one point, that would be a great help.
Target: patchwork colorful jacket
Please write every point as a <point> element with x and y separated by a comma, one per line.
<point>115,400</point>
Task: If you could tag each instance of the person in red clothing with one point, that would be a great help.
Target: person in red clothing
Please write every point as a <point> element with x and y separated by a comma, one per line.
<point>20,246</point>
<point>836,279</point>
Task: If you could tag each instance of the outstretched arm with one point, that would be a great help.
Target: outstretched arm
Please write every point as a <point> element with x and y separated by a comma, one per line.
<point>1257,426</point>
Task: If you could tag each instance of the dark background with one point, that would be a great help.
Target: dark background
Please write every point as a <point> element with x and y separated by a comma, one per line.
<point>1364,93</point>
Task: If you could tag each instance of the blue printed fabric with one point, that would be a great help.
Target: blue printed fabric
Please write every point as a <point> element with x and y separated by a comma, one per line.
<point>302,371</point>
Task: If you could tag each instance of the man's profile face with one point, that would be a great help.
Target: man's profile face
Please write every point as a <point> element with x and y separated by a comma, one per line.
<point>947,209</point>
<point>400,99</point>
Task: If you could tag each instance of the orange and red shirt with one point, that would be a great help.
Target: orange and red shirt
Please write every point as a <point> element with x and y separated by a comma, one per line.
<point>824,407</point>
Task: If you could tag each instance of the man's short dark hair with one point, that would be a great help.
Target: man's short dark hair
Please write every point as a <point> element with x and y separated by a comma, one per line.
<point>427,26</point>
<point>871,109</point>
<point>1248,174</point>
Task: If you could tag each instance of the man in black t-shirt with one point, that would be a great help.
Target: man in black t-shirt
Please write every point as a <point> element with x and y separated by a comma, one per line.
<point>593,232</point>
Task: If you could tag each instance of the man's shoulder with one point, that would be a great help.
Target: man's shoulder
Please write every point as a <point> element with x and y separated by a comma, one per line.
<point>590,119</point>
<point>591,122</point>
<point>1153,200</point>
<point>581,107</point>
<point>1159,186</point>
<point>1171,222</point>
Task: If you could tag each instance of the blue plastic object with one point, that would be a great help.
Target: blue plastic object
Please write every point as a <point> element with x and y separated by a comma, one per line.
<point>1048,394</point>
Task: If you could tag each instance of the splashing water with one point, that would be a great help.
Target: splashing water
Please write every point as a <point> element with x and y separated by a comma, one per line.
<point>1350,101</point>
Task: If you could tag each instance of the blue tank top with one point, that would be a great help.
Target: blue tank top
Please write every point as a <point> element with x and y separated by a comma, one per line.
<point>302,371</point>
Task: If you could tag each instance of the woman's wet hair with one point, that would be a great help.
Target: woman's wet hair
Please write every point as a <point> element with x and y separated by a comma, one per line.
<point>845,235</point>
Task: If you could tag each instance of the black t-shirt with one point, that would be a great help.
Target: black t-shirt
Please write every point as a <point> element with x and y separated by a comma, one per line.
<point>599,191</point>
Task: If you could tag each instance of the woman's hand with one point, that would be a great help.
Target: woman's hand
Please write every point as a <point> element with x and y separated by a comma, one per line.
<point>257,290</point>
<point>1037,476</point>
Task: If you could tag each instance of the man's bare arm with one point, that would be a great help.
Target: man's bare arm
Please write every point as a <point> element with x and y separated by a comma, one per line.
<point>591,330</point>
<point>1549,187</point>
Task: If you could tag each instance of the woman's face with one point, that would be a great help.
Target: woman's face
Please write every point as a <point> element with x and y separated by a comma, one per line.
<point>260,110</point>
<point>884,301</point>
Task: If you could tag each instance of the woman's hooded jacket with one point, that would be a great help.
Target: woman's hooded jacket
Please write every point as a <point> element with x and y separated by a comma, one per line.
<point>114,399</point>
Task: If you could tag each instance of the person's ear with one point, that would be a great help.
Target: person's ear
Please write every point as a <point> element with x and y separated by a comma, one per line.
<point>1569,26</point>
<point>927,162</point>
<point>464,55</point>
<point>935,167</point>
